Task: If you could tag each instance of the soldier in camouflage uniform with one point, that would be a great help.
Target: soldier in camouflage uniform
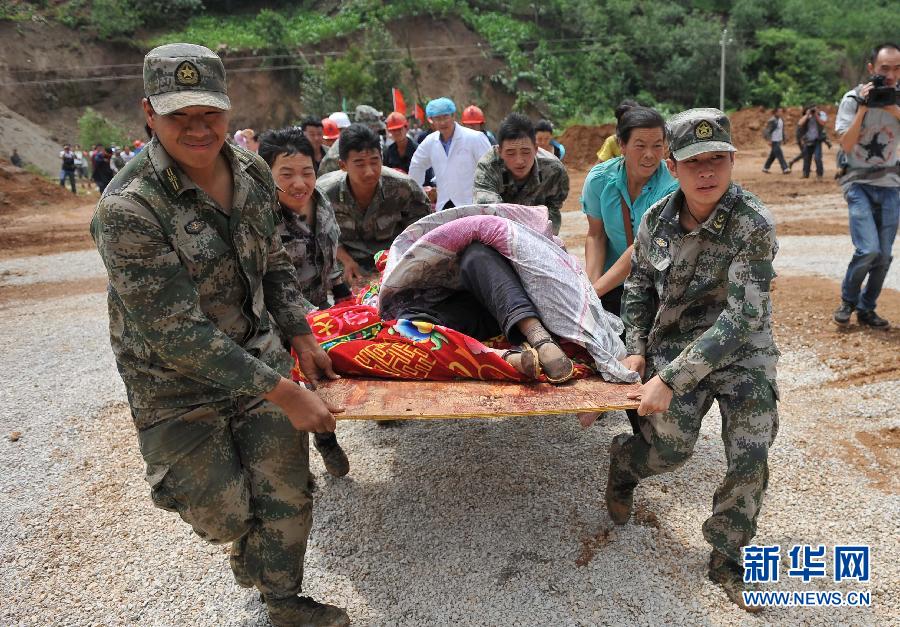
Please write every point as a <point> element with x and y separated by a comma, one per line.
<point>519,172</point>
<point>697,313</point>
<point>372,204</point>
<point>310,235</point>
<point>198,279</point>
<point>364,114</point>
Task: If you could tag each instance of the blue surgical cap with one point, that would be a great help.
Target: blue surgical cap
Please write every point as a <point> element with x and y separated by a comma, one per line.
<point>440,106</point>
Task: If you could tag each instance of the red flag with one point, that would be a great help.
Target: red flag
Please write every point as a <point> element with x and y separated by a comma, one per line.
<point>399,103</point>
<point>420,113</point>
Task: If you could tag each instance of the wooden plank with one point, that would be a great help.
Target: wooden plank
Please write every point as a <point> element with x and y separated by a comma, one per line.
<point>391,399</point>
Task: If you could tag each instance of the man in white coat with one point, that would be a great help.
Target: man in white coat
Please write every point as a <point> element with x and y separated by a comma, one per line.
<point>453,151</point>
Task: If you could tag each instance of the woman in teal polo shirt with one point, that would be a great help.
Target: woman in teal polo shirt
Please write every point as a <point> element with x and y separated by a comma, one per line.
<point>627,184</point>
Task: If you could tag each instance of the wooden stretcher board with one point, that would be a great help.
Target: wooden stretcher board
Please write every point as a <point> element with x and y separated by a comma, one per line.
<point>391,399</point>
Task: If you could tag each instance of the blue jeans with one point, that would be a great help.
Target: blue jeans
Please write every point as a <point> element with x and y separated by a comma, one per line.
<point>873,227</point>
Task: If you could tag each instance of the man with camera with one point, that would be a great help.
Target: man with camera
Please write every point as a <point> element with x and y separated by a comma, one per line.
<point>868,122</point>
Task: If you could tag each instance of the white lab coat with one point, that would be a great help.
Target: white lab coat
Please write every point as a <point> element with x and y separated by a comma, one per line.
<point>454,173</point>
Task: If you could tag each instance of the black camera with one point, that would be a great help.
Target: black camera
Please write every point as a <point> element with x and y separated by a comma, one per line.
<point>881,95</point>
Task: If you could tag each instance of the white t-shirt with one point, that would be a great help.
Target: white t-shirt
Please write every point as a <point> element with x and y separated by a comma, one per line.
<point>873,160</point>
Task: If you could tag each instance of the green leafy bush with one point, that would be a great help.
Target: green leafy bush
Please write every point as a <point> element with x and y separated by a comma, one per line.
<point>94,128</point>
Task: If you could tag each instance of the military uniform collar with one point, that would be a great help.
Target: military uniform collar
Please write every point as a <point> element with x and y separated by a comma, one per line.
<point>170,175</point>
<point>345,195</point>
<point>173,177</point>
<point>716,221</point>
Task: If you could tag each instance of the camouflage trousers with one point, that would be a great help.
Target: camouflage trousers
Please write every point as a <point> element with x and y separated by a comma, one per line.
<point>747,401</point>
<point>235,471</point>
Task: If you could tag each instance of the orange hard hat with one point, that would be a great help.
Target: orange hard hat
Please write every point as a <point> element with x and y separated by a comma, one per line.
<point>395,120</point>
<point>330,129</point>
<point>472,115</point>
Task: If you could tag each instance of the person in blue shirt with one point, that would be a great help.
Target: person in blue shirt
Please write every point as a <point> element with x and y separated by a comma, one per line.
<point>627,185</point>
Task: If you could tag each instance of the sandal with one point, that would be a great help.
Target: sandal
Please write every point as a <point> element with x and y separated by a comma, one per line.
<point>529,365</point>
<point>558,364</point>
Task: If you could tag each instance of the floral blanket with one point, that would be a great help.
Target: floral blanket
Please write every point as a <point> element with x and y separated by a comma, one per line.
<point>365,339</point>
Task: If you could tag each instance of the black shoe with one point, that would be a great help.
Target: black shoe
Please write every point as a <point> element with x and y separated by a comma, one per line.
<point>871,319</point>
<point>842,313</point>
<point>336,462</point>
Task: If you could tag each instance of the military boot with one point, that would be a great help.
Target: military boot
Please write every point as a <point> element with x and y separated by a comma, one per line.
<point>299,611</point>
<point>619,488</point>
<point>236,559</point>
<point>727,573</point>
<point>336,462</point>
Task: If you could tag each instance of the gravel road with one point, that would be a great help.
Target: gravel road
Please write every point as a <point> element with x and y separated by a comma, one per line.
<point>471,522</point>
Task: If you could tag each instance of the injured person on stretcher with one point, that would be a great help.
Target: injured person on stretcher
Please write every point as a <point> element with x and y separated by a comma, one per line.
<point>492,301</point>
<point>491,270</point>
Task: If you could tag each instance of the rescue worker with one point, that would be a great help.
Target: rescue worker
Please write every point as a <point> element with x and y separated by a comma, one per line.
<point>197,277</point>
<point>372,204</point>
<point>330,132</point>
<point>519,172</point>
<point>473,118</point>
<point>399,154</point>
<point>697,313</point>
<point>314,131</point>
<point>310,236</point>
<point>452,150</point>
<point>544,134</point>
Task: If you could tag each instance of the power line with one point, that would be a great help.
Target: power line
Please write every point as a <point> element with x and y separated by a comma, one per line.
<point>337,53</point>
<point>328,53</point>
<point>482,52</point>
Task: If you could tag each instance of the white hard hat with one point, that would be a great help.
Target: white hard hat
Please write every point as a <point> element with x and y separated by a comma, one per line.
<point>341,119</point>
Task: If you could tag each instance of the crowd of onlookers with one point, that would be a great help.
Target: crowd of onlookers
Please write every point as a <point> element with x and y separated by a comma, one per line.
<point>97,165</point>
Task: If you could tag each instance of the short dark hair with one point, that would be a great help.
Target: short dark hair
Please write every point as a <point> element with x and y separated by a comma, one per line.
<point>638,117</point>
<point>877,50</point>
<point>286,141</point>
<point>310,121</point>
<point>543,126</point>
<point>623,107</point>
<point>515,126</point>
<point>358,137</point>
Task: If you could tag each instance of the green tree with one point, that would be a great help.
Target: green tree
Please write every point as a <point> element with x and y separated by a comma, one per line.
<point>94,128</point>
<point>791,69</point>
<point>114,18</point>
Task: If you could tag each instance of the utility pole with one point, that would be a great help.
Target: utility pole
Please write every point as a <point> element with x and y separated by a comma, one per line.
<point>723,42</point>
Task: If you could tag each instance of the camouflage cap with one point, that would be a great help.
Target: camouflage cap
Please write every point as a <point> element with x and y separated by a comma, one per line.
<point>184,75</point>
<point>696,131</point>
<point>369,116</point>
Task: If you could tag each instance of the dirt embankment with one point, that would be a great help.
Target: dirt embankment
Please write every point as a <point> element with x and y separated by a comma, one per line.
<point>583,142</point>
<point>40,217</point>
